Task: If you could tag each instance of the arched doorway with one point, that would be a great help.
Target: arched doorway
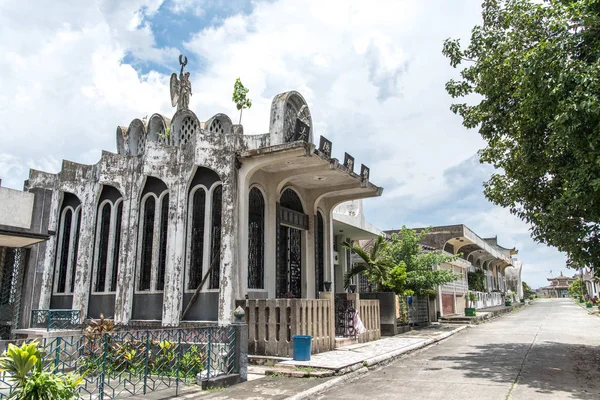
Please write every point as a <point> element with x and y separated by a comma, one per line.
<point>291,222</point>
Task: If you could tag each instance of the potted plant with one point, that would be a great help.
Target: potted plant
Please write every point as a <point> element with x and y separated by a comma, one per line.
<point>470,311</point>
<point>589,304</point>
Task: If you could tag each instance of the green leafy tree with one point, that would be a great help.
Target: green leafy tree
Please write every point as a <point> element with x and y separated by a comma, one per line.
<point>534,71</point>
<point>31,382</point>
<point>404,250</point>
<point>528,292</point>
<point>577,288</point>
<point>476,280</point>
<point>376,266</point>
<point>240,97</point>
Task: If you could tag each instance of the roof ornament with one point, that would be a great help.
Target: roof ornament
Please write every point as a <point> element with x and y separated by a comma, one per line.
<point>181,89</point>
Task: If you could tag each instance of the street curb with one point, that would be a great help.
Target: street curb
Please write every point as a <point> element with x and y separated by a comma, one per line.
<point>371,362</point>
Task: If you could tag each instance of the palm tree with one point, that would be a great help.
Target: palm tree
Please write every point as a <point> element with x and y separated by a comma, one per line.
<point>376,266</point>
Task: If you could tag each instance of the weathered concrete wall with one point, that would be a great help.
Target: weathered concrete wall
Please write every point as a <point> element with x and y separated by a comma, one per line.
<point>16,208</point>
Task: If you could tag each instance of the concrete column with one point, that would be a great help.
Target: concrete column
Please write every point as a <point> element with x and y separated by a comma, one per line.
<point>48,258</point>
<point>127,264</point>
<point>174,271</point>
<point>229,260</point>
<point>83,274</point>
<point>330,296</point>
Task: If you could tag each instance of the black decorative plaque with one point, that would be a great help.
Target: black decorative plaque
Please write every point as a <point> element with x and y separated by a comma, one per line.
<point>325,146</point>
<point>349,162</point>
<point>364,172</point>
<point>301,131</point>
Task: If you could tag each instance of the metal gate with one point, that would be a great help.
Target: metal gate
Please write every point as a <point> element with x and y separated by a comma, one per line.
<point>12,262</point>
<point>418,310</point>
<point>289,279</point>
<point>344,316</point>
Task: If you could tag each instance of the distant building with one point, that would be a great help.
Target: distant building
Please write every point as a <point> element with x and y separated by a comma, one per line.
<point>559,286</point>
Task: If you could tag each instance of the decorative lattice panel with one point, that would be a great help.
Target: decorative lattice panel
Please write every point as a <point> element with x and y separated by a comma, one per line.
<point>188,129</point>
<point>216,127</point>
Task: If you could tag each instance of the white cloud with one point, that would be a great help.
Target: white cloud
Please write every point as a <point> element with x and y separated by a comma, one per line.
<point>372,73</point>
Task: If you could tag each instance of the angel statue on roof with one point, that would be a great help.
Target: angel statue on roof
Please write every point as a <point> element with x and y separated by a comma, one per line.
<point>181,89</point>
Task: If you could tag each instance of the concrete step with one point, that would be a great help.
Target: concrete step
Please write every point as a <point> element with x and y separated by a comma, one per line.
<point>345,341</point>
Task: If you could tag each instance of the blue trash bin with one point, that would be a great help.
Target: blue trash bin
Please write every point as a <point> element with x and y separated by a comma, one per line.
<point>302,344</point>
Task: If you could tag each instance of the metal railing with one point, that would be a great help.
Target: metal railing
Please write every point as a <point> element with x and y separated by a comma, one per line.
<point>128,363</point>
<point>55,319</point>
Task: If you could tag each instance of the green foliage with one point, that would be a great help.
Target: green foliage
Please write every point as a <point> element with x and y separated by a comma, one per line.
<point>535,66</point>
<point>421,278</point>
<point>376,265</point>
<point>577,288</point>
<point>240,98</point>
<point>476,280</point>
<point>528,292</point>
<point>165,135</point>
<point>24,365</point>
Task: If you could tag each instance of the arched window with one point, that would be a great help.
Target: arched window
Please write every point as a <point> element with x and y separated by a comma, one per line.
<point>103,233</point>
<point>198,207</point>
<point>108,240</point>
<point>289,199</point>
<point>162,250</point>
<point>319,252</point>
<point>256,240</point>
<point>147,227</point>
<point>215,253</point>
<point>116,247</point>
<point>75,247</point>
<point>65,247</point>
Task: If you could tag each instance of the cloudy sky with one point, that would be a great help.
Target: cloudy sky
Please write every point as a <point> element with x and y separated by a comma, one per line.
<point>371,71</point>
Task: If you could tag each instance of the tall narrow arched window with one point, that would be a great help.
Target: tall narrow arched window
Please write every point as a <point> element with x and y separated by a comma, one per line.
<point>215,253</point>
<point>116,247</point>
<point>75,247</point>
<point>65,247</point>
<point>162,250</point>
<point>319,252</point>
<point>256,240</point>
<point>147,243</point>
<point>103,233</point>
<point>198,206</point>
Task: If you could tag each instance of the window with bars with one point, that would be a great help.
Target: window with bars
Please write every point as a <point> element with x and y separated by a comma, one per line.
<point>256,240</point>
<point>65,244</point>
<point>162,252</point>
<point>103,250</point>
<point>147,243</point>
<point>215,254</point>
<point>75,248</point>
<point>197,238</point>
<point>116,247</point>
<point>319,252</point>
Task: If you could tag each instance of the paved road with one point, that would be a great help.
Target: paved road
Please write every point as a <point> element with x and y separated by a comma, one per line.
<point>547,351</point>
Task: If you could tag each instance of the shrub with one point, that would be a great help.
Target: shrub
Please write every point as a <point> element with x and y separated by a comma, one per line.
<point>24,366</point>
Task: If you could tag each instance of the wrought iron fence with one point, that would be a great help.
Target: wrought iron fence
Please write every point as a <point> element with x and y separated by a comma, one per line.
<point>129,363</point>
<point>55,319</point>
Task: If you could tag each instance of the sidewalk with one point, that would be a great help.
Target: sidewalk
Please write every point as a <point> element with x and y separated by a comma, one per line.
<point>348,363</point>
<point>483,314</point>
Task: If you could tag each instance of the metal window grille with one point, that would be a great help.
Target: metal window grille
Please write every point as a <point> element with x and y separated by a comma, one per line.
<point>147,241</point>
<point>319,252</point>
<point>12,263</point>
<point>103,247</point>
<point>116,249</point>
<point>162,255</point>
<point>256,237</point>
<point>197,239</point>
<point>64,253</point>
<point>289,199</point>
<point>215,256</point>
